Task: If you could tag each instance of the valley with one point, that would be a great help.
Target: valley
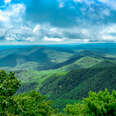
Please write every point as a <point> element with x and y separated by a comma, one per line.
<point>62,73</point>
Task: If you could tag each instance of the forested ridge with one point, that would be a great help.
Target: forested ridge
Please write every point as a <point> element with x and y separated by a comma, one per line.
<point>77,83</point>
<point>53,81</point>
<point>33,103</point>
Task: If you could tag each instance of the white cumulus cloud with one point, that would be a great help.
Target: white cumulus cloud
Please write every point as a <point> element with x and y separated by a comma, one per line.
<point>36,28</point>
<point>7,1</point>
<point>52,39</point>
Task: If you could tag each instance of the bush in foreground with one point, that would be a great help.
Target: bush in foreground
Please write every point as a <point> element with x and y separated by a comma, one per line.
<point>97,104</point>
<point>26,104</point>
<point>34,104</point>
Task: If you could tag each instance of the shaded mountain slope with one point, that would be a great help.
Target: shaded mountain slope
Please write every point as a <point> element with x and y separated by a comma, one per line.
<point>61,72</point>
<point>44,57</point>
<point>76,83</point>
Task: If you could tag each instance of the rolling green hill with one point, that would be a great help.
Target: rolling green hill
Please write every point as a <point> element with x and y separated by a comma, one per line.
<point>76,83</point>
<point>38,58</point>
<point>62,73</point>
<point>39,77</point>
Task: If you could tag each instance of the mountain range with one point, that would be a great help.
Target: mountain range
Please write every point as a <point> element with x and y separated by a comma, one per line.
<point>62,72</point>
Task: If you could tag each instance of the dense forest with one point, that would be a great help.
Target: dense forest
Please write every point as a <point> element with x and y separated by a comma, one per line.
<point>33,103</point>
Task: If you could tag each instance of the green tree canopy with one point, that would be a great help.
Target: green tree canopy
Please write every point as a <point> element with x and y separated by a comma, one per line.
<point>8,84</point>
<point>26,104</point>
<point>97,104</point>
<point>33,103</point>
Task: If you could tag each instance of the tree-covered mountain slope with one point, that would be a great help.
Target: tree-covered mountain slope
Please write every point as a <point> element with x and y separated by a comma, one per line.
<point>33,103</point>
<point>51,57</point>
<point>62,72</point>
<point>38,77</point>
<point>76,83</point>
<point>40,57</point>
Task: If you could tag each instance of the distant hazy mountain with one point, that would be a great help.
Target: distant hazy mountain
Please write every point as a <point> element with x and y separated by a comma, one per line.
<point>51,56</point>
<point>62,72</point>
<point>42,57</point>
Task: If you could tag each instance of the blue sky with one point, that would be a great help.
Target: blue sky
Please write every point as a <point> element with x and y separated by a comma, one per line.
<point>57,21</point>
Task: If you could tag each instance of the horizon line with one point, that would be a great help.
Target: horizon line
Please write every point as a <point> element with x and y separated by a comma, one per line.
<point>28,44</point>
